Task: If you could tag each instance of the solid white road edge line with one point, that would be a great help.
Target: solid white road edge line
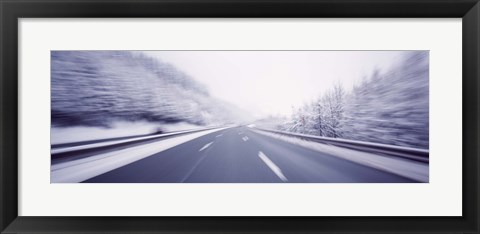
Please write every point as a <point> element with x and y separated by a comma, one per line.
<point>115,142</point>
<point>272,166</point>
<point>407,168</point>
<point>86,168</point>
<point>205,146</point>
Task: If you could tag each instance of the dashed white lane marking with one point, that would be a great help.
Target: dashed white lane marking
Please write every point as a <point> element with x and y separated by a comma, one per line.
<point>83,169</point>
<point>205,146</point>
<point>272,166</point>
<point>219,135</point>
<point>240,133</point>
<point>245,138</point>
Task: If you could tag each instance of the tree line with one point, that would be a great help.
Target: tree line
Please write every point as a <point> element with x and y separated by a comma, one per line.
<point>390,107</point>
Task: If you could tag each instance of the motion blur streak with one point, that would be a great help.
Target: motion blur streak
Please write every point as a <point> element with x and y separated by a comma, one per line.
<point>390,108</point>
<point>133,117</point>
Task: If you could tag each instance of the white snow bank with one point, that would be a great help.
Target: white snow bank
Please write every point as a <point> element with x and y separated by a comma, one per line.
<point>60,135</point>
<point>410,169</point>
<point>113,142</point>
<point>86,168</point>
<point>179,127</point>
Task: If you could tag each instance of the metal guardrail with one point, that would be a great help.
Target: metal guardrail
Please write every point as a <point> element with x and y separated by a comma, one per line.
<point>72,151</point>
<point>420,155</point>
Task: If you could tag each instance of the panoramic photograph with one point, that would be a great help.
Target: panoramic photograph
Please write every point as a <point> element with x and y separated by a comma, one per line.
<point>239,116</point>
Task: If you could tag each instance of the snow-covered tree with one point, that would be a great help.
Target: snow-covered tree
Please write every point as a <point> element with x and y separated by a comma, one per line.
<point>334,103</point>
<point>94,88</point>
<point>390,107</point>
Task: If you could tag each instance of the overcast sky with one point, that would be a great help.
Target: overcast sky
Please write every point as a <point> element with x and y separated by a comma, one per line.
<point>271,82</point>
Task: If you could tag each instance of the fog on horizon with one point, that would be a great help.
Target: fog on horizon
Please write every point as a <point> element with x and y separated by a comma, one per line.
<point>239,117</point>
<point>374,96</point>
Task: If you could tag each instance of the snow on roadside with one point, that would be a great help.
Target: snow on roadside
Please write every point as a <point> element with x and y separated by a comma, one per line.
<point>60,135</point>
<point>410,169</point>
<point>179,127</point>
<point>86,168</point>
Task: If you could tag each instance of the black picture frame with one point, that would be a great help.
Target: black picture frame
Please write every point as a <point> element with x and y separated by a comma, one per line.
<point>12,10</point>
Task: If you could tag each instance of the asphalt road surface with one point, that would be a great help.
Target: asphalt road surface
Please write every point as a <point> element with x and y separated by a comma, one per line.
<point>240,155</point>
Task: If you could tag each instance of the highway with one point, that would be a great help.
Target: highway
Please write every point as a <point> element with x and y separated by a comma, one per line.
<point>240,155</point>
